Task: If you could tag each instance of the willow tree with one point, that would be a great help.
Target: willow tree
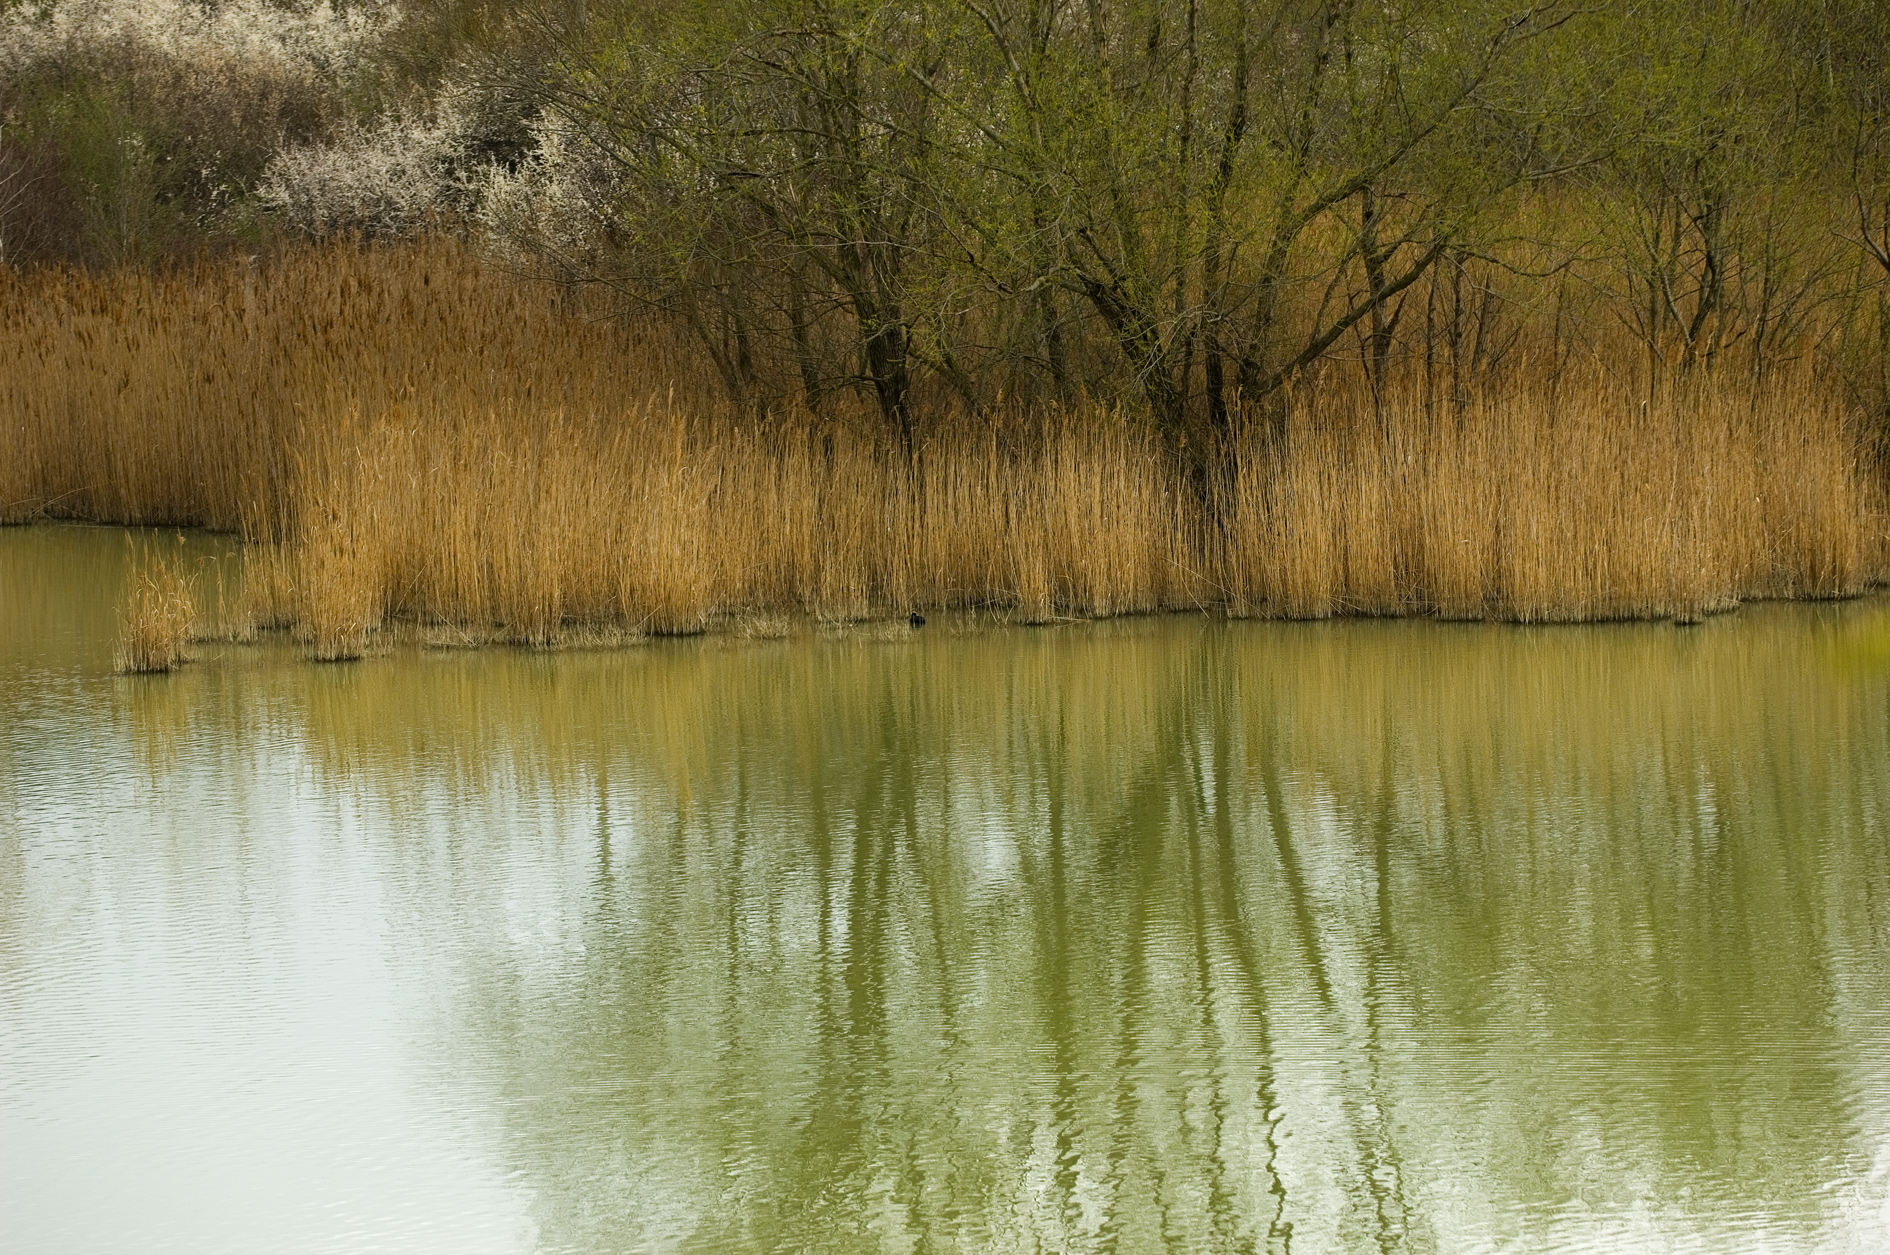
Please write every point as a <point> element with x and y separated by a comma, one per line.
<point>1235,185</point>
<point>1202,195</point>
<point>1846,38</point>
<point>1715,126</point>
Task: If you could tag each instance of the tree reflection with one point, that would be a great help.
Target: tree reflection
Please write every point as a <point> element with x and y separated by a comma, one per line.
<point>1179,936</point>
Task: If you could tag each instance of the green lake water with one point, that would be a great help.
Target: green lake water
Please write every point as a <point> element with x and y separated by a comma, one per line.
<point>1165,934</point>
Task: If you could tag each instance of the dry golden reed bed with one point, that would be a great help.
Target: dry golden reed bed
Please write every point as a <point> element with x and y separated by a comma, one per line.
<point>405,434</point>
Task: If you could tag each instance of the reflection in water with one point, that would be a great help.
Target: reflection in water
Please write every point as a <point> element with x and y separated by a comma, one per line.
<point>1158,935</point>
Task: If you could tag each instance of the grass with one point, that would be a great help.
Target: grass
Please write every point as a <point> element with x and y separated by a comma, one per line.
<point>406,435</point>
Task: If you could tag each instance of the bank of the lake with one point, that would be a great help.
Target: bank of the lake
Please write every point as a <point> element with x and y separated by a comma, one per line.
<point>405,435</point>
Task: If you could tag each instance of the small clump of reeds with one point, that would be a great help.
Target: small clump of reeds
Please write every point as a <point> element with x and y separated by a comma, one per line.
<point>155,628</point>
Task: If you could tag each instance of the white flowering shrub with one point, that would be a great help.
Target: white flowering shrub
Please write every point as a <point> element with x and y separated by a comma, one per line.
<point>149,125</point>
<point>317,37</point>
<point>384,177</point>
<point>153,119</point>
<point>559,201</point>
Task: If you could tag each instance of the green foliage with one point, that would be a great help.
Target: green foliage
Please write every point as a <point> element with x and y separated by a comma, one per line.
<point>973,188</point>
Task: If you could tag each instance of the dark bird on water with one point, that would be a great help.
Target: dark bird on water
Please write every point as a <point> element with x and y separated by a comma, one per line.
<point>917,620</point>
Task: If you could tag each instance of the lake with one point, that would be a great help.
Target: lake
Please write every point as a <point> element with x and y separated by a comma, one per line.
<point>1159,934</point>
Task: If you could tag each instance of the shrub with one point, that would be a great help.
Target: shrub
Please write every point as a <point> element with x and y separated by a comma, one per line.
<point>385,177</point>
<point>153,121</point>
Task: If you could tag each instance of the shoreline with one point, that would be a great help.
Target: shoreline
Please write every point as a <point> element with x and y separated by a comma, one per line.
<point>218,615</point>
<point>401,433</point>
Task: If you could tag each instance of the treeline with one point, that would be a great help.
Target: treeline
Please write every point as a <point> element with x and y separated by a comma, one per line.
<point>1179,206</point>
<point>1187,202</point>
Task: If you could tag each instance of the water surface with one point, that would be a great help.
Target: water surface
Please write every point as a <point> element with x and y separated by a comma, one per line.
<point>1156,935</point>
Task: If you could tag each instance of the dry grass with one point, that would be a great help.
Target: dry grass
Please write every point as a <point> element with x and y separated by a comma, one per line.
<point>156,625</point>
<point>408,436</point>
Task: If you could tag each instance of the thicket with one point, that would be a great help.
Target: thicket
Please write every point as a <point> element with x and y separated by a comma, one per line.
<point>132,133</point>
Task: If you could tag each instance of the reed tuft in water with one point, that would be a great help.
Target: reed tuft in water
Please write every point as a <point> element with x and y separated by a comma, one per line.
<point>155,628</point>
